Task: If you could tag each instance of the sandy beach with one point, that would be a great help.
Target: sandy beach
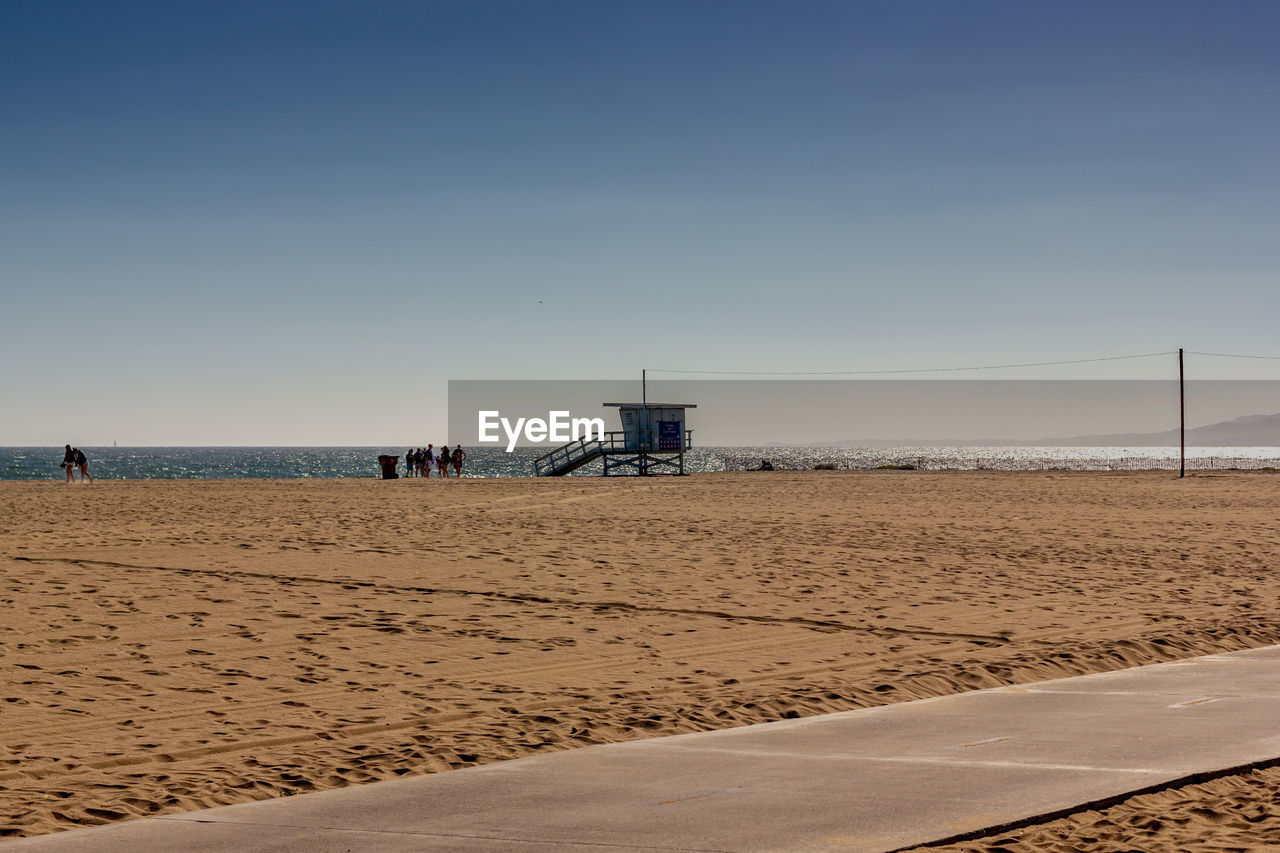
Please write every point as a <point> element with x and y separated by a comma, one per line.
<point>172,645</point>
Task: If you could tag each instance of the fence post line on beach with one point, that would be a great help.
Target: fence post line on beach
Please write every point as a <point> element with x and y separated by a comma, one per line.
<point>1182,421</point>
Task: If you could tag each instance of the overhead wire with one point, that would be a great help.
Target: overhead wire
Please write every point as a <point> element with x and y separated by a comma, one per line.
<point>916,370</point>
<point>1233,355</point>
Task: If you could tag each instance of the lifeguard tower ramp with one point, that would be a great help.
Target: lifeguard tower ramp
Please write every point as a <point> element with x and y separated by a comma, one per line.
<point>653,440</point>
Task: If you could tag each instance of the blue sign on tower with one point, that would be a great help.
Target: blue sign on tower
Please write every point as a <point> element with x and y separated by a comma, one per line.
<point>669,435</point>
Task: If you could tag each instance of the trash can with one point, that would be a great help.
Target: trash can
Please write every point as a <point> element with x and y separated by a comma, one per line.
<point>389,465</point>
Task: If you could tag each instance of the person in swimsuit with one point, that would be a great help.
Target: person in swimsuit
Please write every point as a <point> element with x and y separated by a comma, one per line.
<point>443,463</point>
<point>428,459</point>
<point>69,462</point>
<point>408,463</point>
<point>82,462</point>
<point>458,456</point>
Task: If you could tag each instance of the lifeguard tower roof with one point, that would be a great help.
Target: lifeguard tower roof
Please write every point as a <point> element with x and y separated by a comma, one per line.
<point>654,405</point>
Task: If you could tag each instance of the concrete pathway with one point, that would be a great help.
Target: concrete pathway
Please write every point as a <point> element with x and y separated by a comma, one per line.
<point>872,780</point>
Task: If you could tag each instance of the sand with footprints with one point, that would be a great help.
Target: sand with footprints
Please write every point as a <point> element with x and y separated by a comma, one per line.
<point>174,645</point>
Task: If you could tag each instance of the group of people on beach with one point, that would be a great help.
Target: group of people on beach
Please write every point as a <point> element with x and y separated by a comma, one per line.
<point>73,458</point>
<point>418,463</point>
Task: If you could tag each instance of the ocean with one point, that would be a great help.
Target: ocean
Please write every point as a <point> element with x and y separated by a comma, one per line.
<point>195,463</point>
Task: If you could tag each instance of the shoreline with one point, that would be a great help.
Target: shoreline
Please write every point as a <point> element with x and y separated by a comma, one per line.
<point>1196,473</point>
<point>361,463</point>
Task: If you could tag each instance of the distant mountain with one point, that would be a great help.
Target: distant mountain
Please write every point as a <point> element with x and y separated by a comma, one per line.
<point>1247,431</point>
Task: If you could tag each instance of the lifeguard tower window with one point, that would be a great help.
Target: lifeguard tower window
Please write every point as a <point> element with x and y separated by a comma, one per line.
<point>652,440</point>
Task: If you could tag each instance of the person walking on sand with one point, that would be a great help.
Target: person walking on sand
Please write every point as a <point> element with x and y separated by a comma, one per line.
<point>82,462</point>
<point>428,459</point>
<point>458,457</point>
<point>408,463</point>
<point>443,463</point>
<point>69,462</point>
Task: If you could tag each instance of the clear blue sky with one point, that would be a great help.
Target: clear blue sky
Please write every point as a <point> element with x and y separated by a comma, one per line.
<point>271,223</point>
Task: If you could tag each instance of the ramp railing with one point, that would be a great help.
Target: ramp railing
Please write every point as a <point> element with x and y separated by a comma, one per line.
<point>569,456</point>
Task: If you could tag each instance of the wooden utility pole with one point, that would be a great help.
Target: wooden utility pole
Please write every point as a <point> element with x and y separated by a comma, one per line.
<point>1182,419</point>
<point>642,429</point>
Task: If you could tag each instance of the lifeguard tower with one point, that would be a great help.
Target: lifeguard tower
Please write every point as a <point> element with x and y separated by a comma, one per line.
<point>652,440</point>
